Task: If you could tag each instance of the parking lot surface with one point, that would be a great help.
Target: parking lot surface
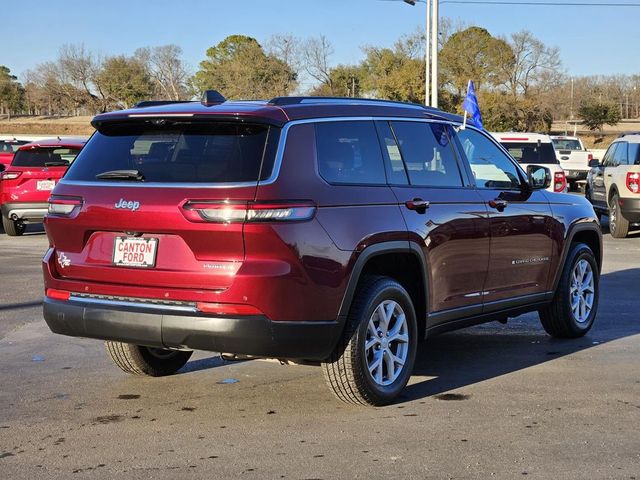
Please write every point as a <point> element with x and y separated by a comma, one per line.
<point>495,401</point>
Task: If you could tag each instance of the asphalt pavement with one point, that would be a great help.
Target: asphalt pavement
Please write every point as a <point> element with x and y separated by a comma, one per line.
<point>494,401</point>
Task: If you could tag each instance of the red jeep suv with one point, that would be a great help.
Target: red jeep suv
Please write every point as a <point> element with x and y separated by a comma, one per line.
<point>326,230</point>
<point>26,184</point>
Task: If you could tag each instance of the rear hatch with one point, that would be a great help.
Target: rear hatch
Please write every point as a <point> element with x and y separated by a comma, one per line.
<point>34,172</point>
<point>150,202</point>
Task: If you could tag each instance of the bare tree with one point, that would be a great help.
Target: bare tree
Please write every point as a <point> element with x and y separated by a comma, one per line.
<point>533,62</point>
<point>316,52</point>
<point>166,69</point>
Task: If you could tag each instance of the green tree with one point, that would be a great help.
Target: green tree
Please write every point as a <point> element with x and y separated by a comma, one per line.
<point>595,115</point>
<point>124,80</point>
<point>238,67</point>
<point>475,54</point>
<point>345,81</point>
<point>11,92</point>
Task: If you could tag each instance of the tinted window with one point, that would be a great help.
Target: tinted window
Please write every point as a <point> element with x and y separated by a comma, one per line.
<point>608,156</point>
<point>45,157</point>
<point>490,166</point>
<point>566,144</point>
<point>532,153</point>
<point>349,152</point>
<point>427,153</point>
<point>634,154</point>
<point>620,155</point>
<point>192,153</point>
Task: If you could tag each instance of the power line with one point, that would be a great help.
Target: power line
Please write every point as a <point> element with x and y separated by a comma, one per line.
<point>545,4</point>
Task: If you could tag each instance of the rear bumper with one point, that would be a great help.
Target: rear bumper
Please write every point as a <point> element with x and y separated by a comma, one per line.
<point>630,209</point>
<point>250,335</point>
<point>25,211</point>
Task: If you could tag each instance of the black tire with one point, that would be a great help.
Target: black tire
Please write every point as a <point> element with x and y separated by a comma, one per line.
<point>346,371</point>
<point>558,318</point>
<point>140,360</point>
<point>618,225</point>
<point>11,227</point>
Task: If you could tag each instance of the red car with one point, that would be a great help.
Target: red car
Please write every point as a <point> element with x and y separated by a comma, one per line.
<point>339,232</point>
<point>25,186</point>
<point>7,149</point>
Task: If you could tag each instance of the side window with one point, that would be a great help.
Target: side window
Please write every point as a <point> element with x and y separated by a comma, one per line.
<point>427,153</point>
<point>396,173</point>
<point>607,161</point>
<point>634,154</point>
<point>620,156</point>
<point>490,166</point>
<point>349,153</point>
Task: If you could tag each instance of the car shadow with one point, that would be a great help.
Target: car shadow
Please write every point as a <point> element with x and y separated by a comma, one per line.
<point>455,360</point>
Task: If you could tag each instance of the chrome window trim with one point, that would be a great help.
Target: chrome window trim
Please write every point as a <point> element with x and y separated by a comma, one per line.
<point>275,173</point>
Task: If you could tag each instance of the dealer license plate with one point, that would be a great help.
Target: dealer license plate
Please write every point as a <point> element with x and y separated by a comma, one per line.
<point>45,184</point>
<point>135,252</point>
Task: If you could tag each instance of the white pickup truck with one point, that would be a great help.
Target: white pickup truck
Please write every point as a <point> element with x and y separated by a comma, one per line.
<point>574,159</point>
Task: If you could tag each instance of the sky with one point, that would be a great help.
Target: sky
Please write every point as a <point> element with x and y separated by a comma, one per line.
<point>592,40</point>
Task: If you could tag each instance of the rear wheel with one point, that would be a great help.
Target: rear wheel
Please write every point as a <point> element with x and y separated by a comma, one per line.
<point>374,360</point>
<point>618,225</point>
<point>12,228</point>
<point>575,303</point>
<point>140,360</point>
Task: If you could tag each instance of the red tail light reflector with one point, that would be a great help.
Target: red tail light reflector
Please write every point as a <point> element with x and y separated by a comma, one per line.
<point>225,212</point>
<point>559,181</point>
<point>633,181</point>
<point>227,309</point>
<point>63,206</point>
<point>57,294</point>
<point>9,175</point>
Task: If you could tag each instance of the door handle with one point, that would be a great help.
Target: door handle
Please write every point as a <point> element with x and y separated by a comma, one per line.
<point>417,204</point>
<point>498,204</point>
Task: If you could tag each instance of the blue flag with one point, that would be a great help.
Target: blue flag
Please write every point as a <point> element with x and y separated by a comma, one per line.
<point>470,106</point>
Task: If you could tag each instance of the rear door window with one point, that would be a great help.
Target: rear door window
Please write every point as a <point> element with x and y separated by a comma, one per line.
<point>427,153</point>
<point>180,152</point>
<point>349,153</point>
<point>45,157</point>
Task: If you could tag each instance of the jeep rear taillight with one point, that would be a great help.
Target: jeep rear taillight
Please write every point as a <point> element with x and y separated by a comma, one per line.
<point>559,182</point>
<point>63,206</point>
<point>633,181</point>
<point>9,175</point>
<point>227,212</point>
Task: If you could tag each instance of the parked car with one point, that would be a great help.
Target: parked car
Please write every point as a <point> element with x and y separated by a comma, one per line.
<point>534,149</point>
<point>7,149</point>
<point>339,232</point>
<point>26,184</point>
<point>574,159</point>
<point>613,185</point>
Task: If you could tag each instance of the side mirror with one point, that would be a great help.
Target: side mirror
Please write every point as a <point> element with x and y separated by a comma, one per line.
<point>2,167</point>
<point>538,177</point>
<point>594,163</point>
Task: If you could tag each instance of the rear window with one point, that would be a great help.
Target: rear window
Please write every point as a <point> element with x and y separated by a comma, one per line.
<point>11,146</point>
<point>527,153</point>
<point>180,152</point>
<point>45,157</point>
<point>349,153</point>
<point>566,144</point>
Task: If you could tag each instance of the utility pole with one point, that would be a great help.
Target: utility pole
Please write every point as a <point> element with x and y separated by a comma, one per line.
<point>434,54</point>
<point>427,50</point>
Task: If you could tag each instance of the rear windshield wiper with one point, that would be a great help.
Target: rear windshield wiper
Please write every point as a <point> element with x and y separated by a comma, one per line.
<point>59,163</point>
<point>134,175</point>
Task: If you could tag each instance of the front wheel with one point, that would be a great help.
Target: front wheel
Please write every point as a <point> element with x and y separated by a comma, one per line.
<point>618,225</point>
<point>574,306</point>
<point>374,360</point>
<point>11,227</point>
<point>140,360</point>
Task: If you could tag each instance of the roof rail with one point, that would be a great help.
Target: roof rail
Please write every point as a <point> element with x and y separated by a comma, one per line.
<point>282,101</point>
<point>155,103</point>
